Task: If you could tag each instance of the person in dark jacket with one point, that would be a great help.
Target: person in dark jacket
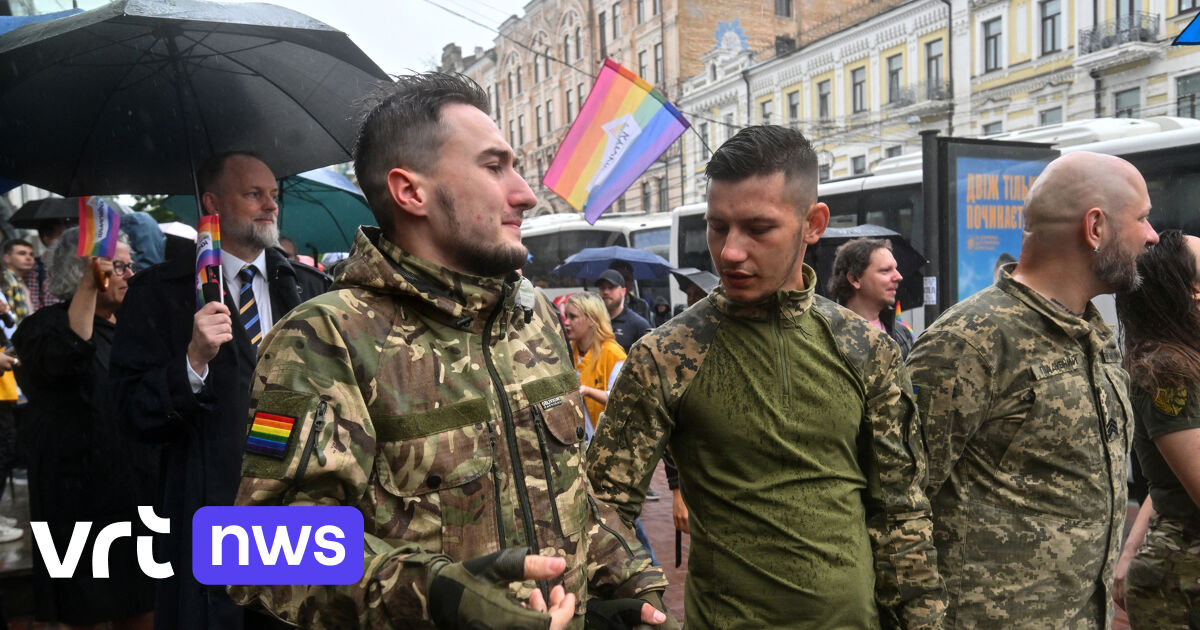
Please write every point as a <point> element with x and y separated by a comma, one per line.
<point>865,279</point>
<point>182,375</point>
<point>83,466</point>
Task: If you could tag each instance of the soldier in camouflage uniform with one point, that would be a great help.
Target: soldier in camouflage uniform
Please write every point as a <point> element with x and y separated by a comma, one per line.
<point>433,391</point>
<point>790,419</point>
<point>1026,412</point>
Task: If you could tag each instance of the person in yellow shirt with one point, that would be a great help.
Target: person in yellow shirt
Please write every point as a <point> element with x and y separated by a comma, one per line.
<point>598,356</point>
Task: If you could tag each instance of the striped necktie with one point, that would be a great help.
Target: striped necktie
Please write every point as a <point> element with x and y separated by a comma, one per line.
<point>249,309</point>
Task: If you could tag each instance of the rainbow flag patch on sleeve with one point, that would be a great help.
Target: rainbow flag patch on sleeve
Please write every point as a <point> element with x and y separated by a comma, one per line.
<point>269,434</point>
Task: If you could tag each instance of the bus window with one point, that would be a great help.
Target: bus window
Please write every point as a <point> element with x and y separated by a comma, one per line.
<point>893,208</point>
<point>656,241</point>
<point>550,250</point>
<point>1173,181</point>
<point>843,209</point>
<point>693,242</point>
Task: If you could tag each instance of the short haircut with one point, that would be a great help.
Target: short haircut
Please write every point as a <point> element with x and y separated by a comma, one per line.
<point>13,242</point>
<point>766,150</point>
<point>210,171</point>
<point>402,129</point>
<point>851,260</point>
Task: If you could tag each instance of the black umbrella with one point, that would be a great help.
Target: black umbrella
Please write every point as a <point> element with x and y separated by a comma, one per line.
<point>908,260</point>
<point>131,97</point>
<point>33,213</point>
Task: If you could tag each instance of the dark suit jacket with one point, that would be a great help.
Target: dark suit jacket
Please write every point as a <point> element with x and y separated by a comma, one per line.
<point>203,433</point>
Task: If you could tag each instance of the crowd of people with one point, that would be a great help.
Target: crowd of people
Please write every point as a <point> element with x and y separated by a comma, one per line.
<point>832,471</point>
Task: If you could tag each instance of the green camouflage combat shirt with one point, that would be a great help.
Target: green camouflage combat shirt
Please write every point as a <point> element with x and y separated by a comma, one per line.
<point>793,427</point>
<point>1027,423</point>
<point>451,417</point>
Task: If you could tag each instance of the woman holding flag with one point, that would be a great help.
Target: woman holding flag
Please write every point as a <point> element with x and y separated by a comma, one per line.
<point>83,466</point>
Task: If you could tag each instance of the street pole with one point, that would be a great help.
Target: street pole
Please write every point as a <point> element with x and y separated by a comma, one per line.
<point>931,199</point>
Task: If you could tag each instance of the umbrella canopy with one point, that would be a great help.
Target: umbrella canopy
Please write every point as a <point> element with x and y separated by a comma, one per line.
<point>690,275</point>
<point>909,261</point>
<point>38,210</point>
<point>319,210</point>
<point>131,97</point>
<point>590,262</point>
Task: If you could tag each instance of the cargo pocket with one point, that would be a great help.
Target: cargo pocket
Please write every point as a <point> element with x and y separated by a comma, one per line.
<point>557,410</point>
<point>437,463</point>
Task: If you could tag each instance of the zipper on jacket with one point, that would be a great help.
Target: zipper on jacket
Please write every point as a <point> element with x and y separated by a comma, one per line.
<point>317,427</point>
<point>510,433</point>
<point>539,421</point>
<point>496,483</point>
<point>605,527</point>
<point>781,352</point>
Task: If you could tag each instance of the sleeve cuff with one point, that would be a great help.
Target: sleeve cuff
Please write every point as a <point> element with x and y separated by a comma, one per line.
<point>194,379</point>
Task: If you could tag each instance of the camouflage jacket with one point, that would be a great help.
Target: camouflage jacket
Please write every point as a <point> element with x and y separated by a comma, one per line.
<point>451,417</point>
<point>1027,423</point>
<point>794,433</point>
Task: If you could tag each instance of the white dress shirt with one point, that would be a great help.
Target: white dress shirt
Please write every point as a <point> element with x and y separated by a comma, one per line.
<point>230,266</point>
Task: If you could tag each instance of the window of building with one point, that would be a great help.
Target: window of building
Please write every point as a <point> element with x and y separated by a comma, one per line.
<point>793,105</point>
<point>991,45</point>
<point>992,128</point>
<point>603,27</point>
<point>647,196</point>
<point>765,109</point>
<point>783,8</point>
<point>546,63</point>
<point>893,151</point>
<point>578,50</point>
<point>730,126</point>
<point>1051,16</point>
<point>579,91</point>
<point>700,143</point>
<point>642,64</point>
<point>1052,116</point>
<point>518,80</point>
<point>658,64</point>
<point>549,116</point>
<point>512,136</point>
<point>536,76</point>
<point>664,194</point>
<point>616,13</point>
<point>521,130</point>
<point>641,11</point>
<point>566,47</point>
<point>1187,93</point>
<point>895,66</point>
<point>823,99</point>
<point>621,204</point>
<point>570,111</point>
<point>510,85</point>
<point>858,89</point>
<point>1128,103</point>
<point>933,69</point>
<point>1188,5</point>
<point>823,173</point>
<point>858,165</point>
<point>655,7</point>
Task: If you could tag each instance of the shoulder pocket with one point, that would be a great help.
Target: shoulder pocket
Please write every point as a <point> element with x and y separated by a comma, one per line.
<point>282,435</point>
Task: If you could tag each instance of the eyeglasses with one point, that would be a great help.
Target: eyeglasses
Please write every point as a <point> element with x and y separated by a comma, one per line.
<point>120,267</point>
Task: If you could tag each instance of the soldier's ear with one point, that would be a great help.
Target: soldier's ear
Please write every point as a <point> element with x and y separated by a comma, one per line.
<point>409,190</point>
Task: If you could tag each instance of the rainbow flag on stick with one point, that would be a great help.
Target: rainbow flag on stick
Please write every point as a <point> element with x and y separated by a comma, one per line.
<point>99,228</point>
<point>209,281</point>
<point>624,126</point>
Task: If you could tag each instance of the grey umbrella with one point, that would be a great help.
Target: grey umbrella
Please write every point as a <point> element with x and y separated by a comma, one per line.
<point>131,97</point>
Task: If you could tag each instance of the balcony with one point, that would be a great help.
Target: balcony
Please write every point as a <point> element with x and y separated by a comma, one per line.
<point>927,97</point>
<point>1125,39</point>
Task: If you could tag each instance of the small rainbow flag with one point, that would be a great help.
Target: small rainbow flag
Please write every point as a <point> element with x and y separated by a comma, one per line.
<point>269,434</point>
<point>208,258</point>
<point>99,228</point>
<point>623,127</point>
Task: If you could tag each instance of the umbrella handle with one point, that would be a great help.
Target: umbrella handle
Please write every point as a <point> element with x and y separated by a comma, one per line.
<point>99,276</point>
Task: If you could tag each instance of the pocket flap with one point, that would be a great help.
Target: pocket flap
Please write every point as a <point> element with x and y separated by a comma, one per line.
<point>434,462</point>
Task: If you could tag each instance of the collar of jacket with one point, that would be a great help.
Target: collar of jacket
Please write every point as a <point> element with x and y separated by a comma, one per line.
<point>1091,323</point>
<point>789,304</point>
<point>377,264</point>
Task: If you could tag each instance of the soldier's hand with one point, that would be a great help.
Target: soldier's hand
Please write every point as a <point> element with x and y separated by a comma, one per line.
<point>474,593</point>
<point>679,511</point>
<point>211,327</point>
<point>562,606</point>
<point>621,614</point>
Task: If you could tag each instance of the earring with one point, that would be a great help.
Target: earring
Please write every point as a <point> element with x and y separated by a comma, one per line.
<point>1096,249</point>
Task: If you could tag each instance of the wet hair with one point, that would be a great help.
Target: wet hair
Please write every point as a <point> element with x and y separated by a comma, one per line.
<point>1160,320</point>
<point>13,242</point>
<point>402,129</point>
<point>766,150</point>
<point>592,307</point>
<point>64,267</point>
<point>851,261</point>
<point>210,171</point>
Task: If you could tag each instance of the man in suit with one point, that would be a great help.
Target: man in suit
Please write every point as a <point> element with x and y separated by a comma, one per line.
<point>182,375</point>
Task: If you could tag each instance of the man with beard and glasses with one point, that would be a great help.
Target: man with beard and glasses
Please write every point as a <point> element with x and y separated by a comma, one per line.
<point>436,394</point>
<point>1026,412</point>
<point>182,375</point>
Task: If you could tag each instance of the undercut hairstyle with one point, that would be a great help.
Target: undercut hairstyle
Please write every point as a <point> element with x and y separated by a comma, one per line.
<point>766,150</point>
<point>1160,320</point>
<point>210,171</point>
<point>851,261</point>
<point>65,268</point>
<point>13,242</point>
<point>402,129</point>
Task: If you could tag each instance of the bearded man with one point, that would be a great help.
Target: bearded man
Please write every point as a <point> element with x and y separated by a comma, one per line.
<point>182,375</point>
<point>1026,413</point>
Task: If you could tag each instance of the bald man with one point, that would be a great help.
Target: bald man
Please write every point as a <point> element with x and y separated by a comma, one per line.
<point>1026,417</point>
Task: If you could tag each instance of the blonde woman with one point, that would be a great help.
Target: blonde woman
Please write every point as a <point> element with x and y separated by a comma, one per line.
<point>598,357</point>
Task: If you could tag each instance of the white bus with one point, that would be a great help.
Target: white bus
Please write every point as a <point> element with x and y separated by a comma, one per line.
<point>552,238</point>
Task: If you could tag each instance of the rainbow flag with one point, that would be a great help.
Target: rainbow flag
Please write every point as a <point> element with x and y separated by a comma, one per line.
<point>269,434</point>
<point>208,257</point>
<point>99,228</point>
<point>624,126</point>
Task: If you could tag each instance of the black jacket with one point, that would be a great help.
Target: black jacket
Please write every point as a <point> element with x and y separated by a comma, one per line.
<point>202,433</point>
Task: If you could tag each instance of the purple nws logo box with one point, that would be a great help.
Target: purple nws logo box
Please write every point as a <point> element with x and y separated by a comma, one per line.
<point>277,545</point>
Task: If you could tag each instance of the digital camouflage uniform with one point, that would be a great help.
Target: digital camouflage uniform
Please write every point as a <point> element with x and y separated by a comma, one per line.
<point>425,398</point>
<point>793,428</point>
<point>1027,424</point>
<point>1162,587</point>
